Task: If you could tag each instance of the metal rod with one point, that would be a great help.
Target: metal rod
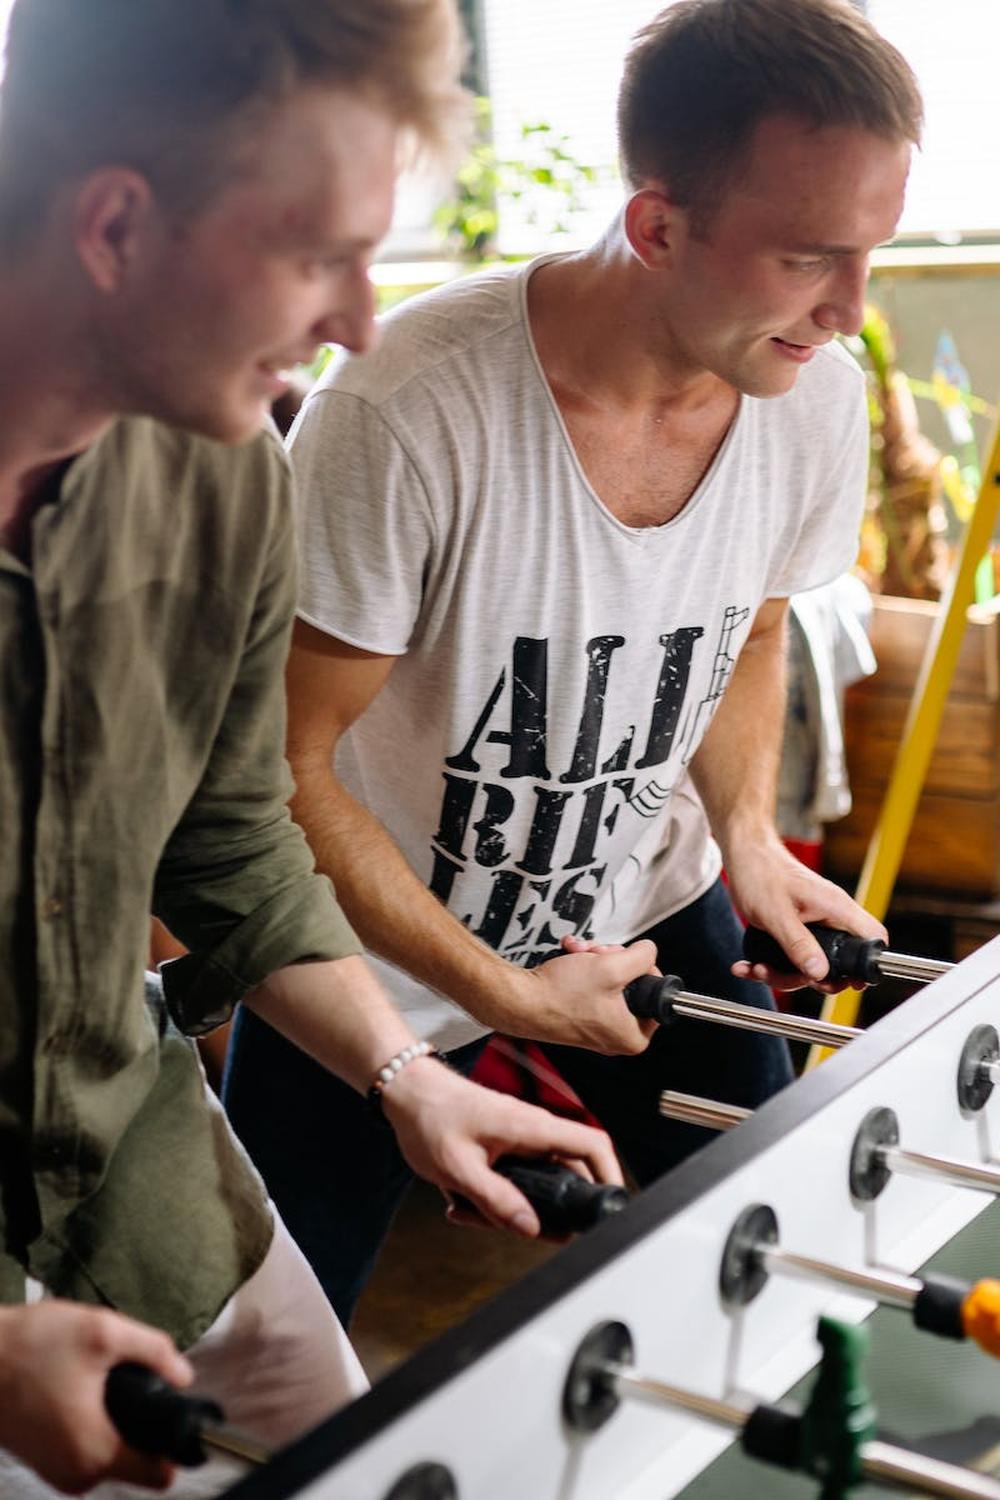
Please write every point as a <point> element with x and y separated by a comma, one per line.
<point>905,966</point>
<point>883,1461</point>
<point>946,1168</point>
<point>235,1444</point>
<point>886,1462</point>
<point>714,1115</point>
<point>886,1286</point>
<point>726,1413</point>
<point>751,1018</point>
<point>694,1111</point>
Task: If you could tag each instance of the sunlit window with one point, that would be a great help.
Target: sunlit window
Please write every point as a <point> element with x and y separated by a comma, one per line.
<point>559,61</point>
<point>952,46</point>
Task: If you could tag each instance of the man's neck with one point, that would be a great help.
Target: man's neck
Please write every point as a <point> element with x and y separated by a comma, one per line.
<point>627,396</point>
<point>619,356</point>
<point>48,413</point>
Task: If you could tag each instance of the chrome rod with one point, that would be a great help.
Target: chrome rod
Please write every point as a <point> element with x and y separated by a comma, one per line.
<point>886,1462</point>
<point>903,966</point>
<point>944,1168</point>
<point>235,1444</point>
<point>726,1413</point>
<point>714,1115</point>
<point>773,1023</point>
<point>882,1461</point>
<point>885,1286</point>
<point>694,1111</point>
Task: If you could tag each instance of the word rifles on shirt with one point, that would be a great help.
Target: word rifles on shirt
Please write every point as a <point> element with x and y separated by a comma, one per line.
<point>528,903</point>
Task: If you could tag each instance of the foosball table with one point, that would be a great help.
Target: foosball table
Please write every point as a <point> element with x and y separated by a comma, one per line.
<point>626,1366</point>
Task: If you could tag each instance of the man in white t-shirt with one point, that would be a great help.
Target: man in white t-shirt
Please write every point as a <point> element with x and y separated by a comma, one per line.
<point>549,531</point>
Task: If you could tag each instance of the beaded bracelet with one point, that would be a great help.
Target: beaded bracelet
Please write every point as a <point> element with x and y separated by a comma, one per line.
<point>388,1071</point>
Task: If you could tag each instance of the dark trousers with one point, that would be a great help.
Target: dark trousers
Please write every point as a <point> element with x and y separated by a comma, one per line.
<point>334,1169</point>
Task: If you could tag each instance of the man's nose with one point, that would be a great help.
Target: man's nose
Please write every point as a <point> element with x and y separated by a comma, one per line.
<point>843,309</point>
<point>352,322</point>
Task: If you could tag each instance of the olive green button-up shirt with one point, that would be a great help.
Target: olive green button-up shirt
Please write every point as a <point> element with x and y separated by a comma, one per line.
<point>141,769</point>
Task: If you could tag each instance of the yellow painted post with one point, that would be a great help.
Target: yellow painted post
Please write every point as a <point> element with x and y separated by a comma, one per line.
<point>888,840</point>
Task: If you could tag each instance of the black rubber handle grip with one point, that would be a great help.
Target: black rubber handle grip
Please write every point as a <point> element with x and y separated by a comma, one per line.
<point>565,1202</point>
<point>851,958</point>
<point>774,1435</point>
<point>651,997</point>
<point>938,1307</point>
<point>155,1417</point>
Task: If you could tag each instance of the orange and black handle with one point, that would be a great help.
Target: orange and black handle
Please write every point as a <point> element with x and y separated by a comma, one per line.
<point>981,1316</point>
<point>957,1310</point>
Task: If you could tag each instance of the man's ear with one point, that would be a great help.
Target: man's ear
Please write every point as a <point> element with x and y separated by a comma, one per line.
<point>651,226</point>
<point>111,210</point>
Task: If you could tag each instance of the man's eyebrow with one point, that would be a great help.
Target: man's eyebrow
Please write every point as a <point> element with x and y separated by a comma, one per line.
<point>313,238</point>
<point>336,249</point>
<point>823,249</point>
<point>817,248</point>
<point>348,247</point>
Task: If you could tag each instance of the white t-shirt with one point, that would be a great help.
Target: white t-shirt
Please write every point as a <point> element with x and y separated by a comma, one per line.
<point>557,669</point>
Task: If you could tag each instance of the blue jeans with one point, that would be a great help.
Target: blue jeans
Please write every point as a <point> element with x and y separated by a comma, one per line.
<point>337,1176</point>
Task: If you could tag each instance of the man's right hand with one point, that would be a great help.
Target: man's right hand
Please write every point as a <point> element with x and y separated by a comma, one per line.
<point>577,1000</point>
<point>54,1360</point>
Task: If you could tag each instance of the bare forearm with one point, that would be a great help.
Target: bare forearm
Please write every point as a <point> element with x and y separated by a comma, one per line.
<point>576,998</point>
<point>736,767</point>
<point>337,1012</point>
<point>449,1130</point>
<point>395,915</point>
<point>736,773</point>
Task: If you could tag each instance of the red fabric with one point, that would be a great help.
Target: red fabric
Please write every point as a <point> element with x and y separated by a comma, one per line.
<point>498,1069</point>
<point>808,852</point>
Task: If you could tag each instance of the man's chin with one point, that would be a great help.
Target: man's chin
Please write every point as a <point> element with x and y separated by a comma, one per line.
<point>766,383</point>
<point>230,427</point>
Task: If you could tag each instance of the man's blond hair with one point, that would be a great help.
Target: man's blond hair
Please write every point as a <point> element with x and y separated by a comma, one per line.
<point>174,87</point>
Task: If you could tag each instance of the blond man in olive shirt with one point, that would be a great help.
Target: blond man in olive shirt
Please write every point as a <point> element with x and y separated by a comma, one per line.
<point>189,201</point>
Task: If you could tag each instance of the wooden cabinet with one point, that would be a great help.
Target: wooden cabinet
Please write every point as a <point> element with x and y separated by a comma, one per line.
<point>954,844</point>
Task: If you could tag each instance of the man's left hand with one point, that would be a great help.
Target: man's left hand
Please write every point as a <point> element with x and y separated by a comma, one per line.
<point>775,891</point>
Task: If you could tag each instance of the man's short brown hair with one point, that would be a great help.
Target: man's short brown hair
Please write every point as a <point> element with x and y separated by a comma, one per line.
<point>170,87</point>
<point>702,76</point>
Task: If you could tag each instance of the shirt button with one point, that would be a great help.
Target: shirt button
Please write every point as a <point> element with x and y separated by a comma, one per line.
<point>51,908</point>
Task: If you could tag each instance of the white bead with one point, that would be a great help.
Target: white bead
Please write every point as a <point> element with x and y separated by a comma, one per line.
<point>405,1055</point>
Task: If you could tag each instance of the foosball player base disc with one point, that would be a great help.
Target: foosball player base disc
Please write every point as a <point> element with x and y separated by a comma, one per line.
<point>868,1172</point>
<point>425,1482</point>
<point>975,1085</point>
<point>589,1396</point>
<point>741,1275</point>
